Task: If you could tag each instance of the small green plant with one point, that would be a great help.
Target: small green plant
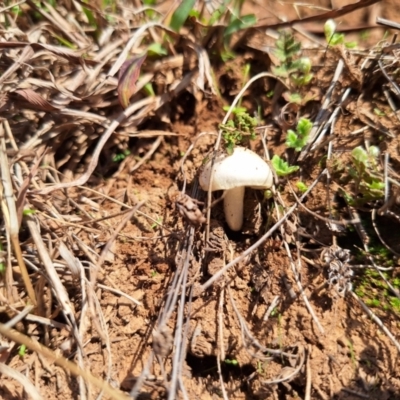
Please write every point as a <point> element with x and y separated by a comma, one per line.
<point>148,89</point>
<point>260,369</point>
<point>372,302</point>
<point>369,184</point>
<point>378,112</point>
<point>16,10</point>
<point>270,94</point>
<point>235,110</point>
<point>268,194</point>
<point>22,350</point>
<point>157,223</point>
<point>301,186</point>
<point>372,288</point>
<point>298,139</point>
<point>352,354</point>
<point>153,273</point>
<point>274,312</point>
<point>232,362</point>
<point>28,211</point>
<point>156,49</point>
<point>333,38</point>
<point>395,303</point>
<point>121,156</point>
<point>281,167</point>
<point>297,69</point>
<point>238,130</point>
<point>228,14</point>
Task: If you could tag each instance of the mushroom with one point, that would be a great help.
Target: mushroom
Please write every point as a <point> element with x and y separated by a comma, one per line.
<point>233,173</point>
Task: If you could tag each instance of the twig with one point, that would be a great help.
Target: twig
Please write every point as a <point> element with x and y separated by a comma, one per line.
<point>62,362</point>
<point>220,324</point>
<point>322,114</point>
<point>307,395</point>
<point>116,291</point>
<point>58,288</point>
<point>388,23</point>
<point>286,378</point>
<point>300,286</point>
<point>221,379</point>
<point>148,155</point>
<point>10,215</point>
<point>375,226</point>
<point>245,331</point>
<point>178,343</point>
<point>98,316</point>
<point>362,395</point>
<point>19,317</point>
<point>274,303</point>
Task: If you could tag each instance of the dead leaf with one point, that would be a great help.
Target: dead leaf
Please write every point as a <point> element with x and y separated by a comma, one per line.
<point>35,100</point>
<point>41,152</point>
<point>69,54</point>
<point>127,78</point>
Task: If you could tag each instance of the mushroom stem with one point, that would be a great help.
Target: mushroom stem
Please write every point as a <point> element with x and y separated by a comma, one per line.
<point>233,207</point>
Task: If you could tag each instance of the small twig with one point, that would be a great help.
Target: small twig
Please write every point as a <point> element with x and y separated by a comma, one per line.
<point>300,286</point>
<point>187,153</point>
<point>274,303</point>
<point>307,395</point>
<point>148,155</point>
<point>221,379</point>
<point>323,112</point>
<point>119,292</point>
<point>375,226</point>
<point>387,23</point>
<point>179,346</point>
<point>320,392</point>
<point>385,176</point>
<point>331,119</point>
<point>364,238</point>
<point>328,221</point>
<point>286,378</point>
<point>19,317</point>
<point>220,324</point>
<point>10,214</point>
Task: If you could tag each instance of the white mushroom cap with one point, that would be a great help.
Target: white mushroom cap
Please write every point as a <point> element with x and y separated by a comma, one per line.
<point>233,173</point>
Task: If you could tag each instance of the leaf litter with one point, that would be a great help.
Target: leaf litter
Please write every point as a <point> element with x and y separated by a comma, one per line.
<point>115,260</point>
